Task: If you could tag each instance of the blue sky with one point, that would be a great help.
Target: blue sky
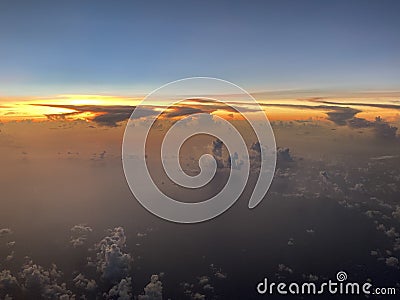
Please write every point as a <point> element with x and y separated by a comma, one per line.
<point>127,47</point>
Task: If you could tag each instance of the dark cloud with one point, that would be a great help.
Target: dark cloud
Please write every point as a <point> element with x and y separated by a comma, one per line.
<point>108,115</point>
<point>183,111</point>
<point>283,155</point>
<point>359,123</point>
<point>384,130</point>
<point>341,115</point>
<point>377,105</point>
<point>337,114</point>
<point>381,128</point>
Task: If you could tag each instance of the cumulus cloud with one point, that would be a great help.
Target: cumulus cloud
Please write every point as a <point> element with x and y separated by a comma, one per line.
<point>120,291</point>
<point>198,296</point>
<point>152,291</point>
<point>79,234</point>
<point>81,282</point>
<point>44,282</point>
<point>7,281</point>
<point>111,261</point>
<point>381,128</point>
<point>283,155</point>
<point>217,147</point>
<point>396,213</point>
<point>392,232</point>
<point>392,261</point>
<point>204,280</point>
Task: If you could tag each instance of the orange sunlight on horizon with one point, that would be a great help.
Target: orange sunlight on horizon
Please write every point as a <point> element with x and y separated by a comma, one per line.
<point>66,107</point>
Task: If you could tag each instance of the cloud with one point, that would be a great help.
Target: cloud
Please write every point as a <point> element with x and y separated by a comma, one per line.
<point>106,115</point>
<point>183,111</point>
<point>198,296</point>
<point>204,280</point>
<point>7,281</point>
<point>5,232</point>
<point>283,268</point>
<point>341,115</point>
<point>120,291</point>
<point>377,105</point>
<point>111,261</point>
<point>283,155</point>
<point>382,129</point>
<point>396,213</point>
<point>216,148</point>
<point>392,261</point>
<point>37,280</point>
<point>79,234</point>
<point>152,291</point>
<point>81,282</point>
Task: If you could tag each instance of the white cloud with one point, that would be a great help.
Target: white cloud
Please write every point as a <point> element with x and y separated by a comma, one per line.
<point>152,291</point>
<point>111,261</point>
<point>392,261</point>
<point>120,291</point>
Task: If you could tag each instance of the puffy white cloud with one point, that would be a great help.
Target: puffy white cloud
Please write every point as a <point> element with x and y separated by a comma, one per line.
<point>392,232</point>
<point>204,280</point>
<point>111,261</point>
<point>40,281</point>
<point>79,234</point>
<point>83,283</point>
<point>198,296</point>
<point>392,261</point>
<point>120,291</point>
<point>152,291</point>
<point>7,280</point>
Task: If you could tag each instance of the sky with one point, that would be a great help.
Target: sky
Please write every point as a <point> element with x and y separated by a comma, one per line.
<point>326,74</point>
<point>132,47</point>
